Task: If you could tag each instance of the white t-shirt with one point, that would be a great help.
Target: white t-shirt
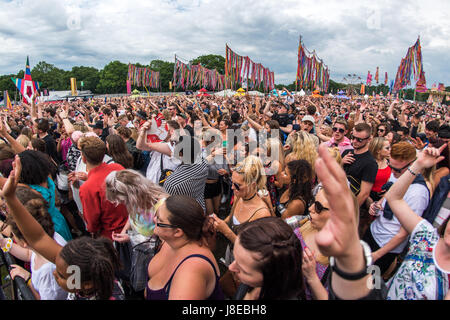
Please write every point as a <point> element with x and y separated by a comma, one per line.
<point>43,279</point>
<point>154,167</point>
<point>383,230</point>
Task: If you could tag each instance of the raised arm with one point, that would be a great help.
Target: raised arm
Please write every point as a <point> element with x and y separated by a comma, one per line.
<point>32,231</point>
<point>16,146</point>
<point>408,219</point>
<point>339,237</point>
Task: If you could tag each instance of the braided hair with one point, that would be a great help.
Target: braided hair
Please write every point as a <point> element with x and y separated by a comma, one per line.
<point>98,261</point>
<point>281,257</point>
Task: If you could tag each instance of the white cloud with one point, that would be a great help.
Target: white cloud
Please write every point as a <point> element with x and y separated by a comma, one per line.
<point>351,37</point>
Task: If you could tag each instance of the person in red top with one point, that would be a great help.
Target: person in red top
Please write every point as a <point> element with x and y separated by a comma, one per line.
<point>381,150</point>
<point>102,217</point>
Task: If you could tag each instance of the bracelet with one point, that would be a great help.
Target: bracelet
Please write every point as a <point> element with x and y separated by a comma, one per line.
<point>29,282</point>
<point>412,172</point>
<point>8,245</point>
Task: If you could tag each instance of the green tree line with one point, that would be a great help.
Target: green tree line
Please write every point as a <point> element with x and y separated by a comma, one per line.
<point>112,78</point>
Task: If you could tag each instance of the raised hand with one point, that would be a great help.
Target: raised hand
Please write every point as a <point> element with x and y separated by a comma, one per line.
<point>339,237</point>
<point>430,156</point>
<point>9,189</point>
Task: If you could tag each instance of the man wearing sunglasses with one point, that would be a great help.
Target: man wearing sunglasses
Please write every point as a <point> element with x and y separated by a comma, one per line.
<point>386,236</point>
<point>340,129</point>
<point>359,164</point>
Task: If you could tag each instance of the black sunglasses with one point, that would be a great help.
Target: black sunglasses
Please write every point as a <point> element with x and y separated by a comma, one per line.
<point>236,186</point>
<point>302,114</point>
<point>339,129</point>
<point>318,207</point>
<point>381,130</point>
<point>358,139</point>
<point>400,170</point>
<point>164,225</point>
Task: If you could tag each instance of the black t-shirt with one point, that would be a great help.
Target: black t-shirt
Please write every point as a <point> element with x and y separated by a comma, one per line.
<point>189,129</point>
<point>284,119</point>
<point>364,168</point>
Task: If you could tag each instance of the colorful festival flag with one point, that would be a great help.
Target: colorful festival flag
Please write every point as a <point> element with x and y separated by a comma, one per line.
<point>421,84</point>
<point>26,86</point>
<point>411,63</point>
<point>143,77</point>
<point>369,79</point>
<point>363,89</point>
<point>386,79</point>
<point>239,69</point>
<point>311,71</point>
<point>7,101</point>
<point>377,75</point>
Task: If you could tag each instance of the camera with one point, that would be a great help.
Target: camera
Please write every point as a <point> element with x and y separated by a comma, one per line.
<point>281,209</point>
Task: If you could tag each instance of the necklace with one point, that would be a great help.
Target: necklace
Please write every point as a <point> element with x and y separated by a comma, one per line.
<point>250,198</point>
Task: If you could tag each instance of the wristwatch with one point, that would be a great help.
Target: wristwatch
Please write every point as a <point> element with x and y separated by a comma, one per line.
<point>358,275</point>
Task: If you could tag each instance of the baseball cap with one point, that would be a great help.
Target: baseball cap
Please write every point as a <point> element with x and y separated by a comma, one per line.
<point>308,118</point>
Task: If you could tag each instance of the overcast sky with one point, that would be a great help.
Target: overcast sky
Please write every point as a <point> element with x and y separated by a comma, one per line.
<point>350,36</point>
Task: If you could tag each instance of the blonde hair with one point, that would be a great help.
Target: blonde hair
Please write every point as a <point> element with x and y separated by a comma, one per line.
<point>376,145</point>
<point>303,147</point>
<point>23,140</point>
<point>334,152</point>
<point>252,170</point>
<point>132,189</point>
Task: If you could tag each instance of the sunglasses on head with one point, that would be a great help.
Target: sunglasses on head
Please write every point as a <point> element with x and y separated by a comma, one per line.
<point>358,139</point>
<point>338,129</point>
<point>401,169</point>
<point>318,207</point>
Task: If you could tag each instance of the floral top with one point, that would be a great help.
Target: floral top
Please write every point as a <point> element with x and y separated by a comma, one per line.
<point>419,276</point>
<point>320,268</point>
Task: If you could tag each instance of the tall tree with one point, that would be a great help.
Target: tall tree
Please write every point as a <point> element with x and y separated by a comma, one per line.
<point>211,61</point>
<point>165,70</point>
<point>89,75</point>
<point>113,78</point>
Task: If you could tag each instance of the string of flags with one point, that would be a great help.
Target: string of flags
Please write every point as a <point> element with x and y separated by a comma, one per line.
<point>311,71</point>
<point>143,77</point>
<point>242,70</point>
<point>188,76</point>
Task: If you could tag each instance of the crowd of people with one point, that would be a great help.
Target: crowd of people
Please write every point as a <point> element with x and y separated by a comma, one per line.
<point>243,198</point>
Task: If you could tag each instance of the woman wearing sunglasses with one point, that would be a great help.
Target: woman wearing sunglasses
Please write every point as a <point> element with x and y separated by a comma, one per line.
<point>247,179</point>
<point>315,264</point>
<point>184,268</point>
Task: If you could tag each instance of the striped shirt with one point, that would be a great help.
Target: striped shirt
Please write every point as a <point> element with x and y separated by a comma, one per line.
<point>189,180</point>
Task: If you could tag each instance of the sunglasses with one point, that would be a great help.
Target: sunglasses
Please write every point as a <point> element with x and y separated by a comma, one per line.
<point>339,129</point>
<point>400,170</point>
<point>318,207</point>
<point>236,186</point>
<point>358,139</point>
<point>381,130</point>
<point>164,225</point>
<point>302,114</point>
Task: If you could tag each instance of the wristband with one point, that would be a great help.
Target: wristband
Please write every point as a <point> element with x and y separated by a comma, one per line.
<point>412,172</point>
<point>358,275</point>
<point>8,245</point>
<point>29,282</point>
